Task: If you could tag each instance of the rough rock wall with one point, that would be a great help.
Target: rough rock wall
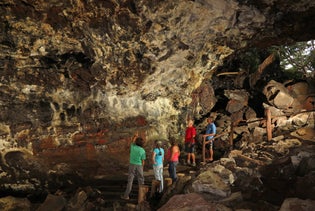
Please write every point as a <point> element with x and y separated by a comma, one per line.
<point>97,71</point>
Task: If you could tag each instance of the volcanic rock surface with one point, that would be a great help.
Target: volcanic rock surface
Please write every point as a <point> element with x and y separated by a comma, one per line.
<point>80,77</point>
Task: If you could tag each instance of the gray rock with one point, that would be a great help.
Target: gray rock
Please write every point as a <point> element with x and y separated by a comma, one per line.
<point>296,204</point>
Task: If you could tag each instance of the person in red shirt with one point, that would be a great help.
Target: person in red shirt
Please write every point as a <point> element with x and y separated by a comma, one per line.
<point>190,143</point>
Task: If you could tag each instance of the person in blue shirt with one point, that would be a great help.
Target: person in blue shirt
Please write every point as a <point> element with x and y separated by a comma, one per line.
<point>209,135</point>
<point>157,160</point>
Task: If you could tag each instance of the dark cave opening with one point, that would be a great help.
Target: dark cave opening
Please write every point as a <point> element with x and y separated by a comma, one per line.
<point>256,101</point>
<point>222,101</point>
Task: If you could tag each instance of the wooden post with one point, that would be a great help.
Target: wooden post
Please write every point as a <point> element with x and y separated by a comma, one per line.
<point>268,124</point>
<point>204,150</point>
<point>168,182</point>
<point>231,135</point>
<point>143,190</point>
<point>155,185</point>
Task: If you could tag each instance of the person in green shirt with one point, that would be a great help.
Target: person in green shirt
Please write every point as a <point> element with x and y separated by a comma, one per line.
<point>136,163</point>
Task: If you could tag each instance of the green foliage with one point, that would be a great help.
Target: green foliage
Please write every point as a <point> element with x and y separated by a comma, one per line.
<point>298,60</point>
<point>293,74</point>
<point>250,60</point>
<point>312,58</point>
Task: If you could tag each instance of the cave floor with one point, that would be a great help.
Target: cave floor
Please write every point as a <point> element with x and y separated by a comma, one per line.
<point>112,187</point>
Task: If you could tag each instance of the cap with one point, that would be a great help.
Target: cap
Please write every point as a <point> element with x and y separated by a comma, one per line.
<point>159,143</point>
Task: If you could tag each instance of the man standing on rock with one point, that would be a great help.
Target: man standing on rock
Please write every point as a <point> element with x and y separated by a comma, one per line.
<point>190,143</point>
<point>136,164</point>
<point>208,137</point>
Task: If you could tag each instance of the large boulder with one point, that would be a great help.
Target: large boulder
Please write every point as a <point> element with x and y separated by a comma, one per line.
<point>14,203</point>
<point>191,202</point>
<point>296,204</point>
<point>211,182</point>
<point>278,95</point>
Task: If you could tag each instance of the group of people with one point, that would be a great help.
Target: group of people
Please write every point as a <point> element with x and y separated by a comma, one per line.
<point>137,161</point>
<point>190,140</point>
<point>138,155</point>
<point>172,157</point>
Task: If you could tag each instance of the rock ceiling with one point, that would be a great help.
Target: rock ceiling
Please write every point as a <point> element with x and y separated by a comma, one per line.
<point>80,77</point>
<point>73,71</point>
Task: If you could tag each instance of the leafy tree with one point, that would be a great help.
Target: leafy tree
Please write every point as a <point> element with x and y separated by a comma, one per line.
<point>297,60</point>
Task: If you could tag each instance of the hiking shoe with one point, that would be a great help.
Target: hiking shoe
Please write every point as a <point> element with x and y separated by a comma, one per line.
<point>193,164</point>
<point>124,197</point>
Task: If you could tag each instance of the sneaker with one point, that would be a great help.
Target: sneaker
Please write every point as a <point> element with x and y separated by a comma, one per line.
<point>124,197</point>
<point>188,162</point>
<point>194,164</point>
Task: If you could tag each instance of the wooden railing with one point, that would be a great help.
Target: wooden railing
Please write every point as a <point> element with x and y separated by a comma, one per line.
<point>268,118</point>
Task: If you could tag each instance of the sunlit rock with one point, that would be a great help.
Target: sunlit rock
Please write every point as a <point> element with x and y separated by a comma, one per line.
<point>210,182</point>
<point>14,203</point>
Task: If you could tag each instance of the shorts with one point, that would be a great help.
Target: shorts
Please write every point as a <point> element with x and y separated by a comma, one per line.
<point>189,148</point>
<point>210,145</point>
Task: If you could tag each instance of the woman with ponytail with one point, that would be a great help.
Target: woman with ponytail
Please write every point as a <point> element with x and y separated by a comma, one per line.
<point>157,160</point>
